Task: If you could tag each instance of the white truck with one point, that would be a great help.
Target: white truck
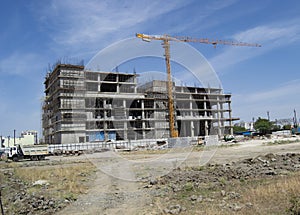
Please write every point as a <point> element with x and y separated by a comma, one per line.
<point>33,152</point>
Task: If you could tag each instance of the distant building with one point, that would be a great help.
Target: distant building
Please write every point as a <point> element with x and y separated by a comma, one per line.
<point>249,126</point>
<point>283,122</point>
<point>89,106</point>
<point>26,138</point>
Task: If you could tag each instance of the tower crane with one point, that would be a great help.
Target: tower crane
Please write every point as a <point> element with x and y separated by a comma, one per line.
<point>166,45</point>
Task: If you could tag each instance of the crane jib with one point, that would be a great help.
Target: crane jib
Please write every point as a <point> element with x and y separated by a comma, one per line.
<point>166,45</point>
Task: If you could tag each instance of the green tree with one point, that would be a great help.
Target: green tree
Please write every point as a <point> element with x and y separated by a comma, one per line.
<point>264,126</point>
<point>287,127</point>
<point>276,127</point>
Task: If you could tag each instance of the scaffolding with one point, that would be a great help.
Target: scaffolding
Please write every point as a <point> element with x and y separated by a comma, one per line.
<point>92,106</point>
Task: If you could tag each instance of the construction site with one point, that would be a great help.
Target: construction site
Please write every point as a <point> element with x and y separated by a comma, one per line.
<point>84,106</point>
<point>97,106</point>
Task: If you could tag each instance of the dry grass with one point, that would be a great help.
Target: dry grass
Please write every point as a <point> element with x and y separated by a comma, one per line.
<point>144,151</point>
<point>149,154</point>
<point>279,195</point>
<point>64,180</point>
<point>273,196</point>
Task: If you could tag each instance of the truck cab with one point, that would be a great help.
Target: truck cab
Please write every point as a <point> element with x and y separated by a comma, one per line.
<point>15,153</point>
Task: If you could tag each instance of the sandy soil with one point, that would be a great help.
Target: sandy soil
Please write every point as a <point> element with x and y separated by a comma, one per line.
<point>118,188</point>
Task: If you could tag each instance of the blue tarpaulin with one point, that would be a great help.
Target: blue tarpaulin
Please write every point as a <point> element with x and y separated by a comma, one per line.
<point>96,136</point>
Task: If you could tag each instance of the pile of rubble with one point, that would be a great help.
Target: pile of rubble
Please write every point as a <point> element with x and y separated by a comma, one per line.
<point>18,199</point>
<point>261,166</point>
<point>217,176</point>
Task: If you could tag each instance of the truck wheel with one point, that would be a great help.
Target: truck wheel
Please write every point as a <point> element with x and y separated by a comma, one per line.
<point>34,158</point>
<point>15,158</point>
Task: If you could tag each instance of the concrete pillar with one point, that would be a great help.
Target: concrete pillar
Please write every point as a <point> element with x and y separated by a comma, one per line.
<point>135,86</point>
<point>125,131</point>
<point>124,103</point>
<point>142,107</point>
<point>184,128</point>
<point>192,129</point>
<point>105,130</point>
<point>206,128</point>
<point>191,105</point>
<point>105,122</point>
<point>143,117</point>
<point>118,85</point>
<point>205,107</point>
<point>218,117</point>
<point>230,119</point>
<point>125,122</point>
<point>222,114</point>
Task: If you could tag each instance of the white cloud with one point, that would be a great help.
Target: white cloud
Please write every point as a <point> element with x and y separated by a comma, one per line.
<point>93,24</point>
<point>278,94</point>
<point>88,21</point>
<point>21,64</point>
<point>270,36</point>
<point>197,22</point>
<point>219,4</point>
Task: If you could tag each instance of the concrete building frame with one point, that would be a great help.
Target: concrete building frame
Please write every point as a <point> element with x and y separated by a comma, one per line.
<point>93,106</point>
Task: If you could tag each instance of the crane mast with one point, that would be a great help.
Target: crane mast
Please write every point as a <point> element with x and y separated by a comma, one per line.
<point>173,130</point>
<point>166,45</point>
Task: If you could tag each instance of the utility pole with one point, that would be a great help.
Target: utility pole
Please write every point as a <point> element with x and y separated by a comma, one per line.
<point>295,119</point>
<point>268,114</point>
<point>14,137</point>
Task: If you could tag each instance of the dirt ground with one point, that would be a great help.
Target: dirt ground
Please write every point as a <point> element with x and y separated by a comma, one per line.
<point>123,179</point>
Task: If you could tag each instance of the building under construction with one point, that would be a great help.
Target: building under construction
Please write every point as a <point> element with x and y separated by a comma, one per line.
<point>93,106</point>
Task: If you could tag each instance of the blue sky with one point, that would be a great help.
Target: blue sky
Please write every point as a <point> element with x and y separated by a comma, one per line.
<point>37,33</point>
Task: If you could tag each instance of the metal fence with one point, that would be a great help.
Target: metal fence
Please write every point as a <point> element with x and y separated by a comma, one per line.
<point>130,144</point>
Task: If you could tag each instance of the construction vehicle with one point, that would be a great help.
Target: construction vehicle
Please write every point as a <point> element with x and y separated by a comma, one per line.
<point>32,152</point>
<point>166,45</point>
